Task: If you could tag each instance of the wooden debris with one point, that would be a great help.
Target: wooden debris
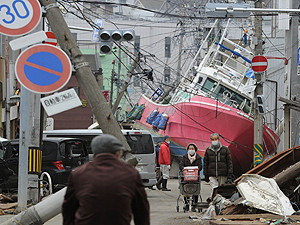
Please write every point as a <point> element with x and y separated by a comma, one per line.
<point>6,198</point>
<point>214,222</point>
<point>8,205</point>
<point>235,209</point>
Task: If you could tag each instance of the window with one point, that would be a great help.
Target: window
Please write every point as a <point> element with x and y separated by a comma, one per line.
<point>137,44</point>
<point>140,143</point>
<point>167,74</point>
<point>226,95</point>
<point>167,47</point>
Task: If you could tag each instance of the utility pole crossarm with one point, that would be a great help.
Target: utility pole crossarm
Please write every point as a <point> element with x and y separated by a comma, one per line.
<point>294,104</point>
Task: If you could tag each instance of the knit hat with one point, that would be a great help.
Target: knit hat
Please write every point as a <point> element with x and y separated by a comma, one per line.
<point>106,143</point>
<point>166,137</point>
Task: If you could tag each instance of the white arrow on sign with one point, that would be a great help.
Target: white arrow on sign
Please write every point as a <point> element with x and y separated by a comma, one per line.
<point>28,40</point>
<point>60,102</point>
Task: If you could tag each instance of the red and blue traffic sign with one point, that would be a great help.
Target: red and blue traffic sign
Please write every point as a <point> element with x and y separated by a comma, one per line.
<point>19,17</point>
<point>43,68</point>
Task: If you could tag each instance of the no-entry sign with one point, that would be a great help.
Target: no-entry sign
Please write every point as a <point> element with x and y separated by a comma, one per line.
<point>259,63</point>
<point>51,39</point>
<point>18,17</point>
<point>43,68</point>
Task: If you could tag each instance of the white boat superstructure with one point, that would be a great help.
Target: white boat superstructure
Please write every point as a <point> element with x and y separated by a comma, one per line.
<point>224,74</point>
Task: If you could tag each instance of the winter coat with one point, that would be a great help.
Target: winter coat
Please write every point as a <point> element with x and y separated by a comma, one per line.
<point>217,163</point>
<point>164,157</point>
<point>105,191</point>
<point>186,162</point>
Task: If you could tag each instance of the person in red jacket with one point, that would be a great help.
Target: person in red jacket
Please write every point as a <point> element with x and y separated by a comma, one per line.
<point>164,161</point>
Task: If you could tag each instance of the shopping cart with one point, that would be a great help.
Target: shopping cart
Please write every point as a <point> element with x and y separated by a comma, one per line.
<point>189,185</point>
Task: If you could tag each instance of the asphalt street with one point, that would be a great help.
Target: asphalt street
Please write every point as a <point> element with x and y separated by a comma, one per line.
<point>162,207</point>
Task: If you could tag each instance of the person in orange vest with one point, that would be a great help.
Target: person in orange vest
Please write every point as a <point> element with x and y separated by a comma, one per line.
<point>164,161</point>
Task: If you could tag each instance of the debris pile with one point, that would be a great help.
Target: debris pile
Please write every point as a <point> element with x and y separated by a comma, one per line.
<point>267,194</point>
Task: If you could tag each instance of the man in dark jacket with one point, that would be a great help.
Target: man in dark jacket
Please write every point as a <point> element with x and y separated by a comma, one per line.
<point>106,190</point>
<point>217,163</point>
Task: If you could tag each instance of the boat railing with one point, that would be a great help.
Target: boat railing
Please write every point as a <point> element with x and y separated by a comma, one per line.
<point>231,62</point>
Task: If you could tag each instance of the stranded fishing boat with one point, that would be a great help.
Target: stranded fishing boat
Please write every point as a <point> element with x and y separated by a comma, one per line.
<point>216,100</point>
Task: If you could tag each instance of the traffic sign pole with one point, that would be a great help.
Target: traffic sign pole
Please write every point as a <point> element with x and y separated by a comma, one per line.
<point>23,149</point>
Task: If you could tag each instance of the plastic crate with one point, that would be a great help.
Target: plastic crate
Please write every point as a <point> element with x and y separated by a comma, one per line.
<point>190,173</point>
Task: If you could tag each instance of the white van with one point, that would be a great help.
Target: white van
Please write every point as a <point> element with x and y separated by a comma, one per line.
<point>140,142</point>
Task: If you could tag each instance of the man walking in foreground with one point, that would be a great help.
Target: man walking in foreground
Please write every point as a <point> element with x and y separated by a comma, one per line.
<point>106,190</point>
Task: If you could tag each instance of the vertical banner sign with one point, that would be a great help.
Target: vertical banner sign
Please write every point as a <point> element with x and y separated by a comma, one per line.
<point>258,154</point>
<point>95,35</point>
<point>19,17</point>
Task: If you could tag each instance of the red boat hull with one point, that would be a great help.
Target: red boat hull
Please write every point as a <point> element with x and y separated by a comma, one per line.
<point>196,120</point>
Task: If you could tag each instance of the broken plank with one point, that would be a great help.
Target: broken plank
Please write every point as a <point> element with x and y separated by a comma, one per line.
<point>8,205</point>
<point>229,222</point>
<point>255,216</point>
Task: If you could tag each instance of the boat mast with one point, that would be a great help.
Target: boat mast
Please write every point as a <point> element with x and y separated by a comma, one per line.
<point>185,76</point>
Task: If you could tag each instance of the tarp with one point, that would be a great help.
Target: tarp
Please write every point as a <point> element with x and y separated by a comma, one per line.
<point>264,193</point>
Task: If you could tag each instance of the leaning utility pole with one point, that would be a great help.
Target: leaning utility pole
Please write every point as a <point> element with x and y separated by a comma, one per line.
<point>84,75</point>
<point>126,83</point>
<point>258,118</point>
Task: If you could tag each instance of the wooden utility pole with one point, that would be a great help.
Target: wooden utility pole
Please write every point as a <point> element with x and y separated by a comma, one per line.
<point>112,78</point>
<point>258,118</point>
<point>180,52</point>
<point>84,75</point>
<point>291,129</point>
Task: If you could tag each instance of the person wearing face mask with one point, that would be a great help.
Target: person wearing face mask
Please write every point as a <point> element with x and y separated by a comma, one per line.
<point>191,158</point>
<point>164,160</point>
<point>217,163</point>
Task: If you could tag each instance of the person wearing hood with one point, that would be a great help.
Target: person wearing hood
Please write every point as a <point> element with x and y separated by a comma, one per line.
<point>217,167</point>
<point>164,161</point>
<point>191,158</point>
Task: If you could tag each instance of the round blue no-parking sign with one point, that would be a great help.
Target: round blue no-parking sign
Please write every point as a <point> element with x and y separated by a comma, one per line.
<point>43,69</point>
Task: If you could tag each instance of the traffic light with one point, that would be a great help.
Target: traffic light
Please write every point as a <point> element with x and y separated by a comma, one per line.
<point>261,104</point>
<point>106,38</point>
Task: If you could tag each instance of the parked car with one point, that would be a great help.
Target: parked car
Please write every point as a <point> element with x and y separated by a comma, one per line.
<point>140,142</point>
<point>59,157</point>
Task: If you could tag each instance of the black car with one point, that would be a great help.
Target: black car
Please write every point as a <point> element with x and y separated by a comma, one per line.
<point>59,157</point>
